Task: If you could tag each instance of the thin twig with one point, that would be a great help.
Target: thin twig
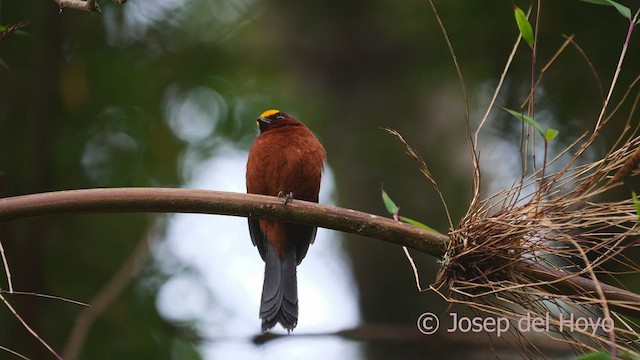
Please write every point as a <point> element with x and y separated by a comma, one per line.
<point>414,268</point>
<point>615,76</point>
<point>6,268</point>
<point>29,329</point>
<point>601,120</point>
<point>589,64</point>
<point>603,299</point>
<point>497,91</point>
<point>545,68</point>
<point>534,56</point>
<point>10,29</point>
<point>13,353</point>
<point>424,169</point>
<point>475,197</point>
<point>47,296</point>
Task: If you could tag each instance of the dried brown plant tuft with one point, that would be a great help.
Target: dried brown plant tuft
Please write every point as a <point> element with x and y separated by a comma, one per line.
<point>551,246</point>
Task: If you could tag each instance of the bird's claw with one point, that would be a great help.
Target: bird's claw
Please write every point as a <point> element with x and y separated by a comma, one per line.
<point>287,197</point>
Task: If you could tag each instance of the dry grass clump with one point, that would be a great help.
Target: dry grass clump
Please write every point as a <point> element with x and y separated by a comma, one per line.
<point>519,253</point>
<point>551,247</point>
<point>548,248</point>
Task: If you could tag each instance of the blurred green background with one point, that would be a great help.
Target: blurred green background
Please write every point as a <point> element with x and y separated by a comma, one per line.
<point>86,101</point>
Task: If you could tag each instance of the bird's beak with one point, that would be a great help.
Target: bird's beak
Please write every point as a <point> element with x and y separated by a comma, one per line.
<point>263,123</point>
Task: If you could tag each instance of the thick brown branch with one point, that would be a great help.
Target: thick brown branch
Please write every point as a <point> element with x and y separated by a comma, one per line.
<point>85,5</point>
<point>623,301</point>
<point>222,203</point>
<point>268,207</point>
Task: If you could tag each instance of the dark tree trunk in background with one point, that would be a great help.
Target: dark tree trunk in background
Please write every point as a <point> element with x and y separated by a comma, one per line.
<point>36,100</point>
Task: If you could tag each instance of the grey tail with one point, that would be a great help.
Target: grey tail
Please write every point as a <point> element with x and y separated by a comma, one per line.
<point>280,290</point>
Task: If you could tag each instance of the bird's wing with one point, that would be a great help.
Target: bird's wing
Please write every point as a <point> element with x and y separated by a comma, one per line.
<point>305,236</point>
<point>257,237</point>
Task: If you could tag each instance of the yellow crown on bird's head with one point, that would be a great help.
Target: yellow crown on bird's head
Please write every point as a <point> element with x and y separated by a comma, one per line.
<point>268,113</point>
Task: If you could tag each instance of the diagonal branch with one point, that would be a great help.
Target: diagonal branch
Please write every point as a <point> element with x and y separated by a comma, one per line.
<point>109,293</point>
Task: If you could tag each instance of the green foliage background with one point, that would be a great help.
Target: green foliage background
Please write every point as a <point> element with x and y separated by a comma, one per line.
<point>80,81</point>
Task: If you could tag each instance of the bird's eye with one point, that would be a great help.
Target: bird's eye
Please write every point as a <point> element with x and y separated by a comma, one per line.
<point>280,117</point>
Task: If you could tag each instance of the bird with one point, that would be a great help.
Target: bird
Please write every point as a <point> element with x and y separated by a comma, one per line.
<point>286,160</point>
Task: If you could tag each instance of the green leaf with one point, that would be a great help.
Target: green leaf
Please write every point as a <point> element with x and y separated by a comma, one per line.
<point>524,26</point>
<point>634,196</point>
<point>417,224</point>
<point>601,355</point>
<point>550,134</point>
<point>629,355</point>
<point>595,356</point>
<point>3,64</point>
<point>526,119</point>
<point>597,2</point>
<point>392,208</point>
<point>623,10</point>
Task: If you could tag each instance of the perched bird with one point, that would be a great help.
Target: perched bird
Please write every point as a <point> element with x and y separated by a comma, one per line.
<point>285,160</point>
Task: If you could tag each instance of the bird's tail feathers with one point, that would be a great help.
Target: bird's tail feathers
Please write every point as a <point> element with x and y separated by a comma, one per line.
<point>280,290</point>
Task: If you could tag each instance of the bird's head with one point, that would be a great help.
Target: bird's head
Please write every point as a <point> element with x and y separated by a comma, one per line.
<point>273,118</point>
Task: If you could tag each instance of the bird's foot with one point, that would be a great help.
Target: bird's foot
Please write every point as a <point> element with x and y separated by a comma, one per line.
<point>287,197</point>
